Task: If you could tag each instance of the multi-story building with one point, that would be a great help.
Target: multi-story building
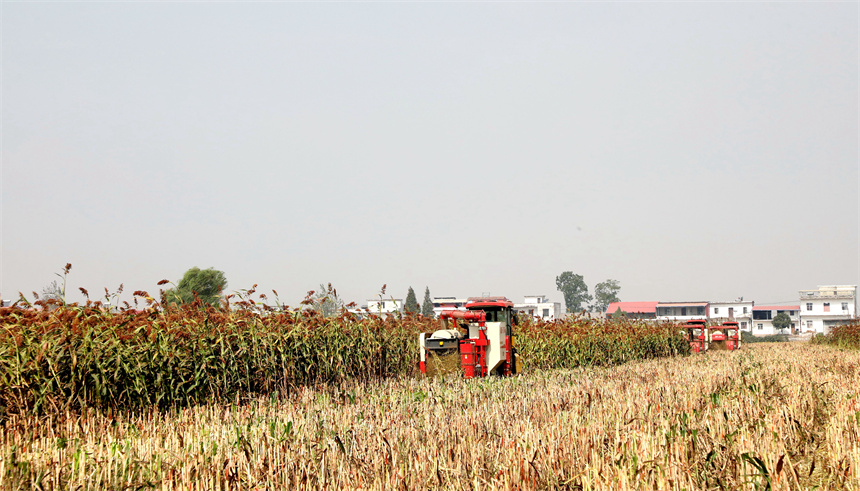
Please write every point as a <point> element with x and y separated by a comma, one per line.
<point>633,310</point>
<point>828,306</point>
<point>739,311</point>
<point>681,311</point>
<point>539,306</point>
<point>763,315</point>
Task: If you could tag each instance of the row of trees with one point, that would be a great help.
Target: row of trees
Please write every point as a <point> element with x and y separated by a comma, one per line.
<point>410,306</point>
<point>209,284</point>
<point>577,298</point>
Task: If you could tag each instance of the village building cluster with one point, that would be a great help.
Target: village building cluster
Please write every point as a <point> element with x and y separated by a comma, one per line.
<point>817,311</point>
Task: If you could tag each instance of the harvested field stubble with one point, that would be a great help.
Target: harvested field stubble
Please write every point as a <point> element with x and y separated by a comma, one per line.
<point>781,416</point>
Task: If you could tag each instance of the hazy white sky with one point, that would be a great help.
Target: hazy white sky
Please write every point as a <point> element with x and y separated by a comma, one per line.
<point>692,151</point>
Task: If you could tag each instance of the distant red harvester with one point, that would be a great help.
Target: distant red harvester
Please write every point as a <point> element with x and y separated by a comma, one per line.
<point>695,331</point>
<point>703,337</point>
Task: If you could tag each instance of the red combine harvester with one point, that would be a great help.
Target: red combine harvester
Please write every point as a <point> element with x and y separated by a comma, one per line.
<point>730,333</point>
<point>696,333</point>
<point>702,337</point>
<point>485,348</point>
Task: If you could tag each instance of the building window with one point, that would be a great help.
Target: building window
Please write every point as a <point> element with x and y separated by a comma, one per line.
<point>743,325</point>
<point>808,305</point>
<point>745,310</point>
<point>716,310</point>
<point>546,312</point>
<point>760,326</point>
<point>700,310</point>
<point>808,325</point>
<point>844,305</point>
<point>827,306</point>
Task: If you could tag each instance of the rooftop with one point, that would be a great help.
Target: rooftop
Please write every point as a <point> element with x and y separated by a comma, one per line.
<point>682,304</point>
<point>632,307</point>
<point>776,307</point>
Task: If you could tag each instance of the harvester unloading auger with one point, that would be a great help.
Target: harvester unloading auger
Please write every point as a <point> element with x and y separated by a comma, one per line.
<point>486,347</point>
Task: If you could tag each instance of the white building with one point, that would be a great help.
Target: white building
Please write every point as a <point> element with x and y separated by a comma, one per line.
<point>763,315</point>
<point>384,306</point>
<point>539,306</point>
<point>739,311</point>
<point>828,306</point>
<point>448,303</point>
<point>681,311</point>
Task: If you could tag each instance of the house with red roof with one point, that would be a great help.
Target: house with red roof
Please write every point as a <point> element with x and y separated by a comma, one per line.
<point>633,310</point>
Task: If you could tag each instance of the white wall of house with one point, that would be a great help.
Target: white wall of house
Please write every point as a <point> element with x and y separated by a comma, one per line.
<point>827,306</point>
<point>385,306</point>
<point>739,311</point>
<point>764,326</point>
<point>540,306</point>
<point>677,311</point>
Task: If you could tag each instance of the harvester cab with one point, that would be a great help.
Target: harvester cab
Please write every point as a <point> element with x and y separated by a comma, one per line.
<point>477,341</point>
<point>696,331</point>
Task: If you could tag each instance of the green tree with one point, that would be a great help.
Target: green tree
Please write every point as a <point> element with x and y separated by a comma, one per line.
<point>781,321</point>
<point>574,289</point>
<point>411,304</point>
<point>52,292</point>
<point>427,305</point>
<point>618,314</point>
<point>326,301</point>
<point>604,294</point>
<point>208,284</point>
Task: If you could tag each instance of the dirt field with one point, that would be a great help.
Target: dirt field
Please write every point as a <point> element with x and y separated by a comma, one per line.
<point>778,416</point>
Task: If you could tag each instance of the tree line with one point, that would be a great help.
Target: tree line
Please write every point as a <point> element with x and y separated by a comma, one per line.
<point>209,284</point>
<point>577,298</point>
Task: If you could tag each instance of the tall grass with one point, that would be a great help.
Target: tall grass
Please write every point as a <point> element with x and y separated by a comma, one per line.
<point>843,336</point>
<point>55,357</point>
<point>583,341</point>
<point>83,356</point>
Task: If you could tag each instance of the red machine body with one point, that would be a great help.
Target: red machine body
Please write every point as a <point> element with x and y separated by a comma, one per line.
<point>696,331</point>
<point>732,335</point>
<point>486,347</point>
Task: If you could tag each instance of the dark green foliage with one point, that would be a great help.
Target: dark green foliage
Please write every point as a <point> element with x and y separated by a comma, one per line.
<point>207,284</point>
<point>427,305</point>
<point>781,321</point>
<point>410,306</point>
<point>605,293</point>
<point>574,289</point>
